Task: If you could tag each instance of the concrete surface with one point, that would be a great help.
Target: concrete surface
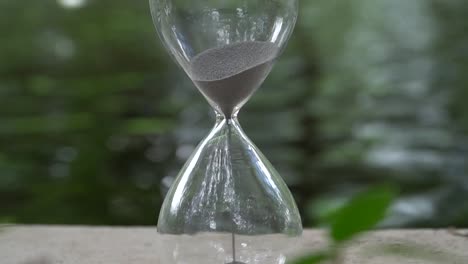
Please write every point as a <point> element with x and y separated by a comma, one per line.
<point>94,245</point>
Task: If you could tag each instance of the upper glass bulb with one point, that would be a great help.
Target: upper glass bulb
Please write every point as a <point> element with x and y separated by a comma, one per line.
<point>223,44</point>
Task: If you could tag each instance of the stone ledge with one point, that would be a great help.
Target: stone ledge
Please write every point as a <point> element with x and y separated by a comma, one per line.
<point>121,245</point>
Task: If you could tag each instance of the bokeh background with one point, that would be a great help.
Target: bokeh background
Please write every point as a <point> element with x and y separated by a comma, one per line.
<point>96,120</point>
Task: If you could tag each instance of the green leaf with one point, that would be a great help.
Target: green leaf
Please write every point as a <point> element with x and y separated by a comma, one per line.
<point>323,209</point>
<point>312,259</point>
<point>362,213</point>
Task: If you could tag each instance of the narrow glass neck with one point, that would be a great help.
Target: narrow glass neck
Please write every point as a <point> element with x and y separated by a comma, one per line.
<point>231,119</point>
<point>227,127</point>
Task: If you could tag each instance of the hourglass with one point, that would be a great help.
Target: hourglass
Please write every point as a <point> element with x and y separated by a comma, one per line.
<point>228,204</point>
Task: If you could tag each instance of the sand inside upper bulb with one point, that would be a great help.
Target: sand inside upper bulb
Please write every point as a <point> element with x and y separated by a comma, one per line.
<point>229,75</point>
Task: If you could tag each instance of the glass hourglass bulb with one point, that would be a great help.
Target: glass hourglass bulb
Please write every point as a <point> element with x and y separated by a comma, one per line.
<point>228,204</point>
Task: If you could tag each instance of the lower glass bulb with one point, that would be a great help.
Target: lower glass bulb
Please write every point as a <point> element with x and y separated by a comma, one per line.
<point>228,205</point>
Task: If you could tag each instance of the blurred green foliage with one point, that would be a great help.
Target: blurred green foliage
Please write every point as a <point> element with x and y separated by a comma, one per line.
<point>96,120</point>
<point>361,214</point>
